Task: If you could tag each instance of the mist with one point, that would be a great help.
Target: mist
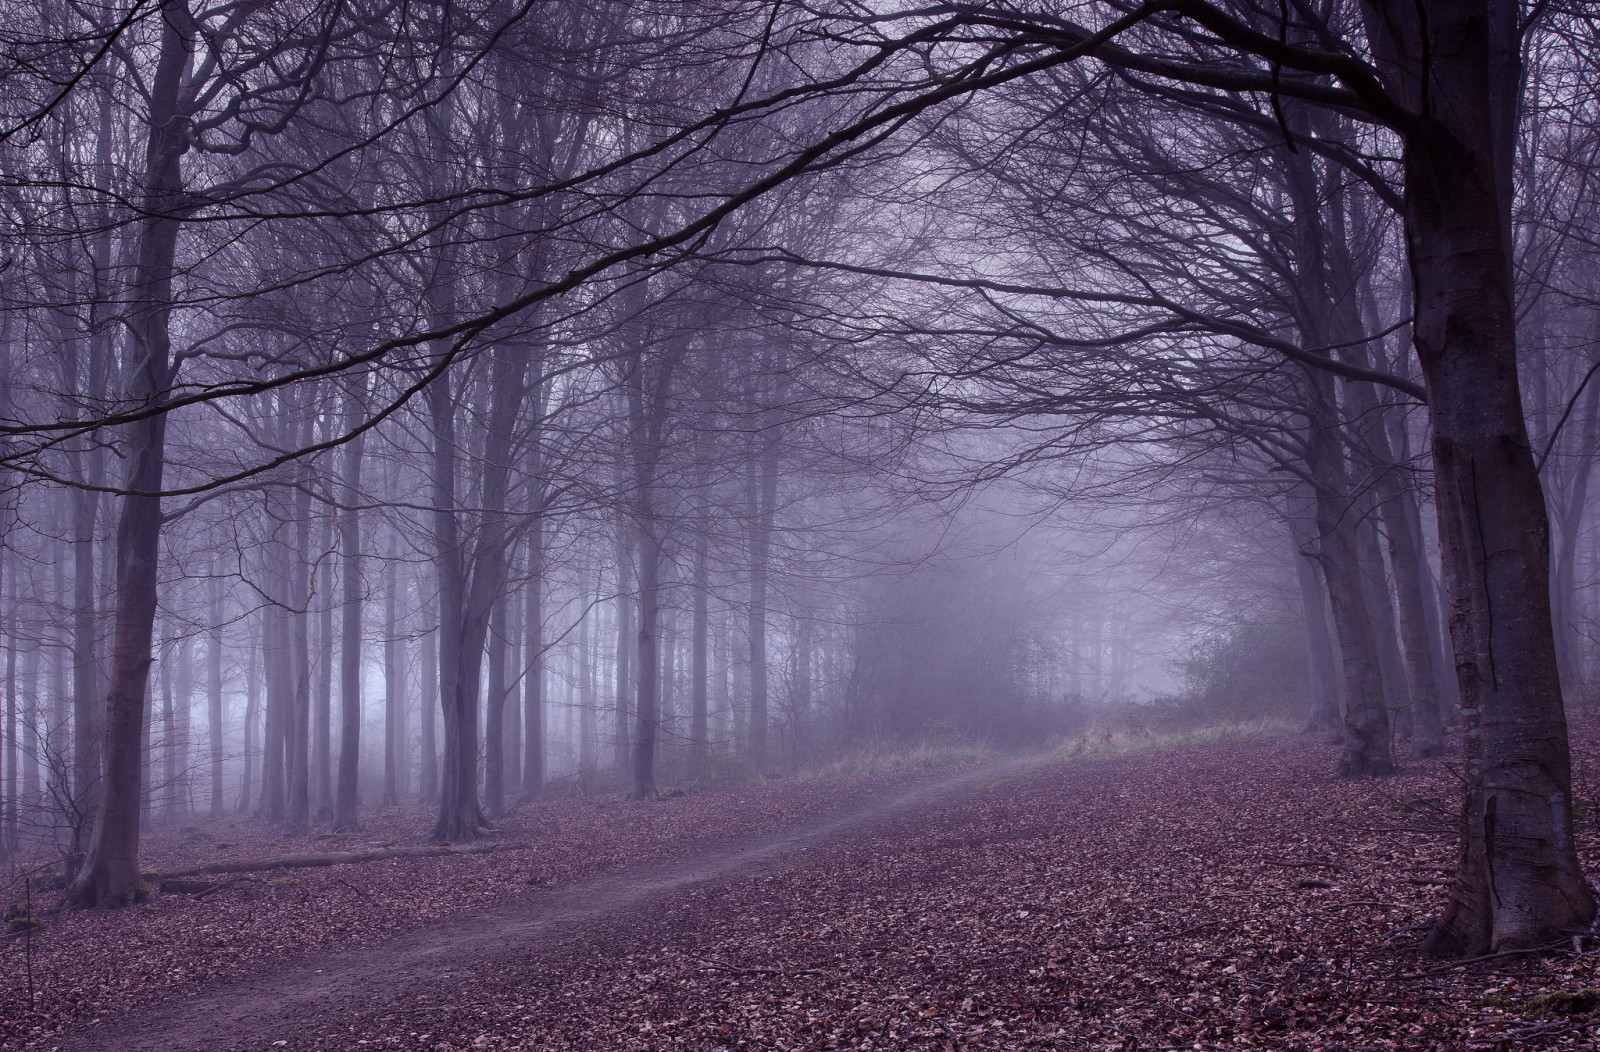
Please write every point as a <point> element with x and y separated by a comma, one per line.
<point>424,428</point>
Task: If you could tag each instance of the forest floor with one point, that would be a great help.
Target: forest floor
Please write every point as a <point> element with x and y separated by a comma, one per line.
<point>1229,894</point>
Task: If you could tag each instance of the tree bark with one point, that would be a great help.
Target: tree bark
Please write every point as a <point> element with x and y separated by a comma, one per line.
<point>533,669</point>
<point>1324,715</point>
<point>347,798</point>
<point>429,789</point>
<point>700,647</point>
<point>763,499</point>
<point>1518,881</point>
<point>494,728</point>
<point>298,814</point>
<point>391,685</point>
<point>110,874</point>
<point>214,727</point>
<point>322,714</point>
<point>252,689</point>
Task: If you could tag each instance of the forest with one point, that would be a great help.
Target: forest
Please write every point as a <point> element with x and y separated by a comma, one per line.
<point>613,446</point>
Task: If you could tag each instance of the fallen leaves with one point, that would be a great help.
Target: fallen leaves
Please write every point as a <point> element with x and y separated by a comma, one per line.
<point>1227,895</point>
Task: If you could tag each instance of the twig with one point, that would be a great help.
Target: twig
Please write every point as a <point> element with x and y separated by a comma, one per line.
<point>1363,902</point>
<point>1554,947</point>
<point>1301,865</point>
<point>742,970</point>
<point>220,885</point>
<point>352,887</point>
<point>1159,938</point>
<point>440,1008</point>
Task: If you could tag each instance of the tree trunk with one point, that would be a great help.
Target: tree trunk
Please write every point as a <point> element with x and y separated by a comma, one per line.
<point>279,674</point>
<point>214,728</point>
<point>391,685</point>
<point>624,662</point>
<point>641,772</point>
<point>700,647</point>
<point>110,874</point>
<point>298,815</point>
<point>533,668</point>
<point>322,713</point>
<point>494,728</point>
<point>347,798</point>
<point>429,790</point>
<point>587,674</point>
<point>252,689</point>
<point>1518,881</point>
<point>763,499</point>
<point>1324,714</point>
<point>1366,718</point>
<point>511,735</point>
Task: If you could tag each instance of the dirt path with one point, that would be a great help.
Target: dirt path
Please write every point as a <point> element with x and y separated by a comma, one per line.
<point>271,1009</point>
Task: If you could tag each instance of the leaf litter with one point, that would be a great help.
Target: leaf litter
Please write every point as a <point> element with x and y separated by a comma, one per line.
<point>1220,895</point>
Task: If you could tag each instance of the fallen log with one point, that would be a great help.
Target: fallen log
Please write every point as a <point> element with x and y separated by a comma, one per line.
<point>326,858</point>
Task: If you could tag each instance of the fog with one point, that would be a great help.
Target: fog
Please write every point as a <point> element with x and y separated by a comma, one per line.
<point>472,405</point>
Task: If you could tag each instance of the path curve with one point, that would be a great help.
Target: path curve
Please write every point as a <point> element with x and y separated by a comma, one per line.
<point>326,986</point>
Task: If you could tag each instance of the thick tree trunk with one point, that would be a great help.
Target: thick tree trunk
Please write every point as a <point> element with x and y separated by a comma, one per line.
<point>459,817</point>
<point>1367,750</point>
<point>110,874</point>
<point>1518,881</point>
<point>1366,717</point>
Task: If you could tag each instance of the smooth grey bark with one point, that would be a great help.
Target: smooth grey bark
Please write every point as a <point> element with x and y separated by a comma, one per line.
<point>214,725</point>
<point>298,811</point>
<point>494,725</point>
<point>1367,749</point>
<point>624,658</point>
<point>1455,65</point>
<point>699,646</point>
<point>391,677</point>
<point>252,687</point>
<point>511,735</point>
<point>587,655</point>
<point>762,501</point>
<point>110,874</point>
<point>429,773</point>
<point>1568,515</point>
<point>322,693</point>
<point>533,769</point>
<point>346,801</point>
<point>8,807</point>
<point>1324,714</point>
<point>279,682</point>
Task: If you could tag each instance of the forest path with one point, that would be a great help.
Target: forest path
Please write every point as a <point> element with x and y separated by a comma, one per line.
<point>320,990</point>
